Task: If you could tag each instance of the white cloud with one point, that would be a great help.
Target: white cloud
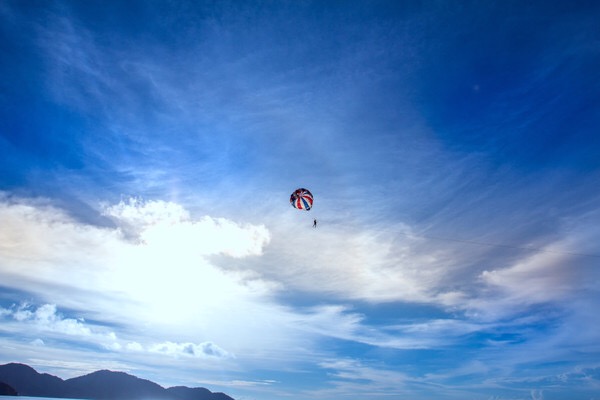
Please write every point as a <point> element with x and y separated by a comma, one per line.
<point>44,251</point>
<point>135,215</point>
<point>166,281</point>
<point>355,262</point>
<point>168,225</point>
<point>352,327</point>
<point>545,277</point>
<point>351,377</point>
<point>200,350</point>
<point>537,394</point>
<point>134,346</point>
<point>207,286</point>
<point>539,278</point>
<point>46,319</point>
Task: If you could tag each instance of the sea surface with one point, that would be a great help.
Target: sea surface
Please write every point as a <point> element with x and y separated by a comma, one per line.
<point>32,398</point>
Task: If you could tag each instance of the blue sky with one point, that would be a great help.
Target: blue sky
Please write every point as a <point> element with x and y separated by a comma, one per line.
<point>148,150</point>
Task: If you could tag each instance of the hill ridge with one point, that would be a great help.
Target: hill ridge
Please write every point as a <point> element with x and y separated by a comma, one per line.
<point>98,385</point>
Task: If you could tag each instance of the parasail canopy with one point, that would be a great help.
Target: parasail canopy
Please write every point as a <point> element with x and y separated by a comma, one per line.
<point>302,199</point>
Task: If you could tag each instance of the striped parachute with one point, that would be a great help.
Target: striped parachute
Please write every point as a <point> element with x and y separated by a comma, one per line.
<point>302,199</point>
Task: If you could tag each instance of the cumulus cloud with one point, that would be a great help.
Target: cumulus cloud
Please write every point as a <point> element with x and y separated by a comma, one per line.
<point>42,244</point>
<point>134,346</point>
<point>45,319</point>
<point>164,278</point>
<point>209,287</point>
<point>134,215</point>
<point>167,224</point>
<point>200,350</point>
<point>44,250</point>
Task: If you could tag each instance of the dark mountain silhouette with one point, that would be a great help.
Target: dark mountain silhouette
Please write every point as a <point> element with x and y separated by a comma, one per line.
<point>108,385</point>
<point>100,385</point>
<point>186,393</point>
<point>7,390</point>
<point>28,382</point>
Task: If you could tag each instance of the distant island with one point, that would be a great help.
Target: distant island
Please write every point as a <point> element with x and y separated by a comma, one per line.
<point>21,379</point>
